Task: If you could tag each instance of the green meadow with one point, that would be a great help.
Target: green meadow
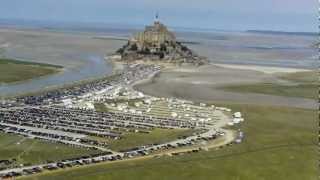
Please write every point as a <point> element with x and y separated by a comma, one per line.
<point>305,85</point>
<point>15,71</point>
<point>31,151</point>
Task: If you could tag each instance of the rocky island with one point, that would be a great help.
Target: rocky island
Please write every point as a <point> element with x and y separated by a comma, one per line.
<point>157,44</point>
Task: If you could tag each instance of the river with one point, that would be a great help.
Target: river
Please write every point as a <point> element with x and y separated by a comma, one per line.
<point>95,66</point>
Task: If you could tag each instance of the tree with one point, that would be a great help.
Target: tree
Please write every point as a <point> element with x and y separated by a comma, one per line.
<point>2,52</point>
<point>133,47</point>
<point>184,48</point>
<point>163,47</point>
<point>120,51</point>
<point>145,51</point>
<point>161,55</point>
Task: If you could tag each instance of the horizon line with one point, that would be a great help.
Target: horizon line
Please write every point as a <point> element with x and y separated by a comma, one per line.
<point>135,26</point>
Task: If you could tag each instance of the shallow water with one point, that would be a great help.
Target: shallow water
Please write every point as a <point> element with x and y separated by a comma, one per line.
<point>255,49</point>
<point>94,66</point>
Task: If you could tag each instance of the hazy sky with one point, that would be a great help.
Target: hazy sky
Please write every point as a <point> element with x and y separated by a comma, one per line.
<point>289,15</point>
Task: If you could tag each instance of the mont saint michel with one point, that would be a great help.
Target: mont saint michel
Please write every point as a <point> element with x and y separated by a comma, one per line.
<point>158,44</point>
<point>107,91</point>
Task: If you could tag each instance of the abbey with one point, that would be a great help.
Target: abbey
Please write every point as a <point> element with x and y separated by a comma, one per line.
<point>157,43</point>
<point>154,37</point>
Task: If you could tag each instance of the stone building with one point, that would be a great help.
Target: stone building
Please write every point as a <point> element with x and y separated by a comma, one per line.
<point>153,37</point>
<point>157,43</point>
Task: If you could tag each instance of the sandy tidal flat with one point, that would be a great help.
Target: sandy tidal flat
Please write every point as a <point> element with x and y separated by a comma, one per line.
<point>202,84</point>
<point>80,54</point>
<point>264,69</point>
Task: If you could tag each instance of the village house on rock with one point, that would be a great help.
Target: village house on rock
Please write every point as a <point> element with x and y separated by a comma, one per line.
<point>156,43</point>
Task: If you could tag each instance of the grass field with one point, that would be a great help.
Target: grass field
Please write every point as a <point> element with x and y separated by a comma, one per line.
<point>14,71</point>
<point>280,143</point>
<point>302,77</point>
<point>30,151</point>
<point>306,86</point>
<point>131,140</point>
<point>100,107</point>
<point>300,90</point>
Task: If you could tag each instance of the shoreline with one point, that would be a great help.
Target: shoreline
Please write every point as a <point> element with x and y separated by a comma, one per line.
<point>264,69</point>
<point>57,71</point>
<point>116,67</point>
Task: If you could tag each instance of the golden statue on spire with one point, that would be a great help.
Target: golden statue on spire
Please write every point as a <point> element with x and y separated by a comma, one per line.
<point>157,18</point>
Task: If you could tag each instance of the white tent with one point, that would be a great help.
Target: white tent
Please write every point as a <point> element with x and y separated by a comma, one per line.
<point>237,115</point>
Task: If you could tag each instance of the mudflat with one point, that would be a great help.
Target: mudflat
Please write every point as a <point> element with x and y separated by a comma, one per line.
<point>203,84</point>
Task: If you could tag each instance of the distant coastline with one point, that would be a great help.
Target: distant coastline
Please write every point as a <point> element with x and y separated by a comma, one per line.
<point>283,32</point>
<point>124,29</point>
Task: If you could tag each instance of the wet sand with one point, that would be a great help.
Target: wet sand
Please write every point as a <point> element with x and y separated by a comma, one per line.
<point>201,85</point>
<point>256,49</point>
<point>81,55</point>
<point>264,69</point>
<point>66,49</point>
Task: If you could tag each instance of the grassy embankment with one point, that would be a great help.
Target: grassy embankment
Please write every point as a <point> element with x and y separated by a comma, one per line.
<point>305,86</point>
<point>14,71</point>
<point>280,143</point>
<point>31,151</point>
